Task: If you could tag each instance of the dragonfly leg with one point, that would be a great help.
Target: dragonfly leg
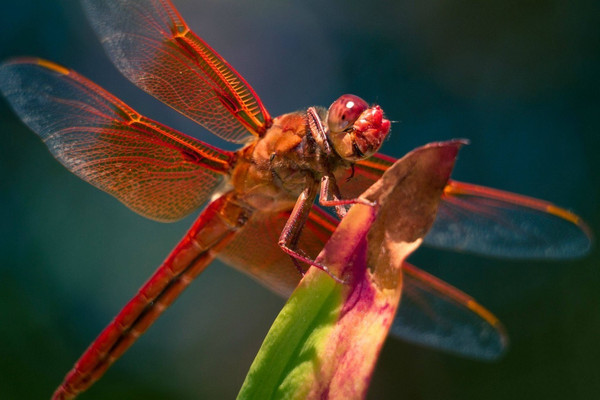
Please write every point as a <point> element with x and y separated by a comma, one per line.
<point>317,130</point>
<point>330,196</point>
<point>288,240</point>
<point>330,193</point>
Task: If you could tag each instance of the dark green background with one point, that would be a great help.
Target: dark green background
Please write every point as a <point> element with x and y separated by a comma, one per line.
<point>518,78</point>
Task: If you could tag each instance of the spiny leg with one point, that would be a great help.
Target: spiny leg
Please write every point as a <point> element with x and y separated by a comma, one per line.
<point>288,240</point>
<point>330,196</point>
<point>330,193</point>
<point>317,130</point>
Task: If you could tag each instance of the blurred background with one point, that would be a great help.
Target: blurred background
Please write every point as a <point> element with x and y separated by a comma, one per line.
<point>517,78</point>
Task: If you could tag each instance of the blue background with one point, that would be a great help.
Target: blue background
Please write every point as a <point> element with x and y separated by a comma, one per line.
<point>518,78</point>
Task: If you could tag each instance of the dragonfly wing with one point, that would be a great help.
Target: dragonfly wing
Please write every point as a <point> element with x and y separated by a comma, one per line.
<point>487,221</point>
<point>153,47</point>
<point>497,223</point>
<point>431,312</point>
<point>255,251</point>
<point>436,314</point>
<point>352,182</point>
<point>156,171</point>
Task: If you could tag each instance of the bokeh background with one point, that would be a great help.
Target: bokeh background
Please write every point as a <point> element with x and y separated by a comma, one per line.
<point>518,78</point>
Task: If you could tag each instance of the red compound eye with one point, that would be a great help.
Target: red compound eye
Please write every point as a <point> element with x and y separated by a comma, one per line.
<point>345,111</point>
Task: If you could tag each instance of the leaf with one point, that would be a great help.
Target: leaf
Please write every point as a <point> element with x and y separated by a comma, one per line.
<point>325,342</point>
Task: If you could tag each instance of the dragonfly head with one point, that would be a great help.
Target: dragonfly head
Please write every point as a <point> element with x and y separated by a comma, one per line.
<point>356,131</point>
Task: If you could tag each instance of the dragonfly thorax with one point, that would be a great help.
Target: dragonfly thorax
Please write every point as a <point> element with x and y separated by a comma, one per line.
<point>271,172</point>
<point>302,147</point>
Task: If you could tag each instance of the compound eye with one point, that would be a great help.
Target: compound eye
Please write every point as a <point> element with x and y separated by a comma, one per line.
<point>345,111</point>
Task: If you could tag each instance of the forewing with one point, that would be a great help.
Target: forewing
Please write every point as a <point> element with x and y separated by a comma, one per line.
<point>156,171</point>
<point>354,181</point>
<point>436,314</point>
<point>153,47</point>
<point>493,222</point>
<point>488,221</point>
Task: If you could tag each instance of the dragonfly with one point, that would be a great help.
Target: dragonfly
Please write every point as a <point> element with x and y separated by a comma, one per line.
<point>262,215</point>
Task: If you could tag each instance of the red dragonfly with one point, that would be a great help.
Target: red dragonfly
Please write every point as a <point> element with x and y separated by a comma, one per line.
<point>261,217</point>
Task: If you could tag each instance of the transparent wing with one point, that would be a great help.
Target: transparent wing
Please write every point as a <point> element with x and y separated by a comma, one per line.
<point>255,251</point>
<point>153,47</point>
<point>435,314</point>
<point>493,222</point>
<point>487,221</point>
<point>156,171</point>
<point>354,181</point>
<point>431,313</point>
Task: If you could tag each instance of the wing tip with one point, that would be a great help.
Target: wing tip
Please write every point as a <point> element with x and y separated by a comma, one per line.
<point>578,247</point>
<point>488,340</point>
<point>52,66</point>
<point>495,323</point>
<point>573,218</point>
